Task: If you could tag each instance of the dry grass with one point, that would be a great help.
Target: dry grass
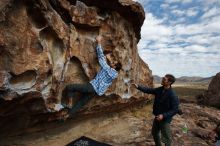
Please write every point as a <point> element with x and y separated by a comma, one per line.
<point>188,91</point>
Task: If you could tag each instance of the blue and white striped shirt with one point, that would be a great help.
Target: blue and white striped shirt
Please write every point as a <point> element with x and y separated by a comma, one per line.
<point>105,76</point>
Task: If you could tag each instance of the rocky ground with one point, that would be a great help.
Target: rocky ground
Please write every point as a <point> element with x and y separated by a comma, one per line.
<point>128,128</point>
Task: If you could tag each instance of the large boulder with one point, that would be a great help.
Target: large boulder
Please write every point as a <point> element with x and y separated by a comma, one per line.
<point>212,96</point>
<point>48,44</point>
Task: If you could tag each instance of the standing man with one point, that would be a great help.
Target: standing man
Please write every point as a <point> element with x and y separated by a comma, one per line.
<point>164,108</point>
<point>97,86</point>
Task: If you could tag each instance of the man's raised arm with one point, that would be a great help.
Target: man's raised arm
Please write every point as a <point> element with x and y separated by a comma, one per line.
<point>100,54</point>
<point>145,89</point>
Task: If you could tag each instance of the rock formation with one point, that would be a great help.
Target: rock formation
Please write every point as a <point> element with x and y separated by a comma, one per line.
<point>212,96</point>
<point>47,44</point>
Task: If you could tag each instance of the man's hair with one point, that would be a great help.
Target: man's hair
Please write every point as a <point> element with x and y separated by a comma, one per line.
<point>118,65</point>
<point>171,78</point>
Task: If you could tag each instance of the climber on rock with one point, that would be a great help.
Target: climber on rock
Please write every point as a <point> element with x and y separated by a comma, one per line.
<point>164,108</point>
<point>98,86</point>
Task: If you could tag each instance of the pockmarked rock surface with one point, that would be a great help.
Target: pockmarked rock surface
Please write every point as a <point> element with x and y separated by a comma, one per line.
<point>212,96</point>
<point>48,44</point>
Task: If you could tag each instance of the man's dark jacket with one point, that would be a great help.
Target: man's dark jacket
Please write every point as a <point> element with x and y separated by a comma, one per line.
<point>166,102</point>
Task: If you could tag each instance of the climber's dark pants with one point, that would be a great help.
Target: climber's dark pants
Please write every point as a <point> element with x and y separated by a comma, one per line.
<point>86,90</point>
<point>164,128</point>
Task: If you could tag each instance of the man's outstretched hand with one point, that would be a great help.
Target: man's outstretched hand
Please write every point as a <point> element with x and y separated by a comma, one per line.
<point>99,39</point>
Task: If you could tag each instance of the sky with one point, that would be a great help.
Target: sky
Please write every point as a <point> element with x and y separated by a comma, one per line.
<point>181,37</point>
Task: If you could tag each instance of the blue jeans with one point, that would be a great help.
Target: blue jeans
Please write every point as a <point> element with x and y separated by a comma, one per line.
<point>87,91</point>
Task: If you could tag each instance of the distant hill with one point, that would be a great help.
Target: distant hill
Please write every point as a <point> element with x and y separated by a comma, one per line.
<point>186,79</point>
<point>157,79</point>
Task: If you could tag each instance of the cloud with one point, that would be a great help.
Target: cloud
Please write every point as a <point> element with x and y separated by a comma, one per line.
<point>182,38</point>
<point>213,26</point>
<point>178,1</point>
<point>186,1</point>
<point>182,64</point>
<point>211,12</point>
<point>172,7</point>
<point>195,48</point>
<point>172,1</point>
<point>164,6</point>
<point>153,29</point>
<point>178,12</point>
<point>178,21</point>
<point>209,2</point>
<point>192,12</point>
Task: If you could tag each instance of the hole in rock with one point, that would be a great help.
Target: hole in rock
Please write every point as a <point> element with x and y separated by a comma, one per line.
<point>23,81</point>
<point>64,14</point>
<point>72,2</point>
<point>35,15</point>
<point>49,34</point>
<point>86,27</point>
<point>77,69</point>
<point>50,72</point>
<point>37,48</point>
<point>54,43</point>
